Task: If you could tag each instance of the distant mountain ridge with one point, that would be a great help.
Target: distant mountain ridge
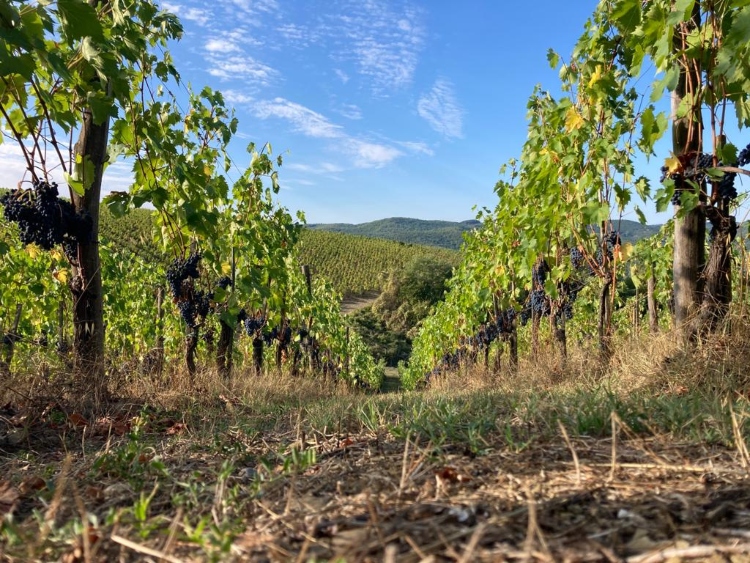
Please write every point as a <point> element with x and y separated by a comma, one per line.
<point>445,234</point>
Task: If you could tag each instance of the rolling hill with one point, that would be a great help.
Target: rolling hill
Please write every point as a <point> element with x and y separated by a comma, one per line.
<point>445,234</point>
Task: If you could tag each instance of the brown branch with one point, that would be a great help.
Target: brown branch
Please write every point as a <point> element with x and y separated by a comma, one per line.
<point>49,123</point>
<point>19,139</point>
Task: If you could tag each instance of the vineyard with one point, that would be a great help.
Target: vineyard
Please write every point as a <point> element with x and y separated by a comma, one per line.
<point>353,265</point>
<point>181,384</point>
<point>357,264</point>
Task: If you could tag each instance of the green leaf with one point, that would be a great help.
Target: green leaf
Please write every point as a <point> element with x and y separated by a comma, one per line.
<point>102,106</point>
<point>75,185</point>
<point>553,58</point>
<point>11,63</point>
<point>727,153</point>
<point>640,214</point>
<point>79,20</point>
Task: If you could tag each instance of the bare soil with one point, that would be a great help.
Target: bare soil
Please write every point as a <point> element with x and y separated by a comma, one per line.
<point>371,497</point>
<point>352,303</point>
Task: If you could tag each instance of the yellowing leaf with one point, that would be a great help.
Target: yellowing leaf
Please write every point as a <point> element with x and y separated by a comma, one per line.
<point>595,77</point>
<point>673,164</point>
<point>62,275</point>
<point>626,251</point>
<point>56,255</point>
<point>226,268</point>
<point>573,120</point>
<point>33,250</point>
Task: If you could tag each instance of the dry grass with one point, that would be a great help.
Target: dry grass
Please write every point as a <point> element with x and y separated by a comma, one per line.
<point>644,461</point>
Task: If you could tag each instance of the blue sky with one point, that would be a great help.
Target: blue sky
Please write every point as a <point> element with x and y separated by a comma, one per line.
<point>381,108</point>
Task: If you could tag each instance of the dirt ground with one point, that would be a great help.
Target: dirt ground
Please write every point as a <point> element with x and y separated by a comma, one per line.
<point>374,501</point>
<point>356,302</point>
<point>371,497</point>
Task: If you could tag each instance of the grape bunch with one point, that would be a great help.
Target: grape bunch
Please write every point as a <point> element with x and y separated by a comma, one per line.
<point>179,271</point>
<point>254,324</point>
<point>743,158</point>
<point>225,282</point>
<point>576,257</point>
<point>539,273</point>
<point>46,220</point>
<point>202,302</point>
<point>727,189</point>
<point>613,239</point>
<point>540,302</point>
<point>188,312</point>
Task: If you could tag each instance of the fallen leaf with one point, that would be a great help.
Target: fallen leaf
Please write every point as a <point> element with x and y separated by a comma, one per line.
<point>8,498</point>
<point>32,483</point>
<point>78,420</point>
<point>176,428</point>
<point>448,474</point>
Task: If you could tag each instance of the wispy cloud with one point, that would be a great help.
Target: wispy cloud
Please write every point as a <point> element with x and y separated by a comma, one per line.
<point>350,111</point>
<point>240,67</point>
<point>371,155</point>
<point>255,6</point>
<point>305,120</point>
<point>365,153</point>
<point>440,108</point>
<point>236,97</point>
<point>221,46</point>
<point>384,41</point>
<point>318,168</point>
<point>342,75</point>
<point>12,165</point>
<point>198,15</point>
<point>417,147</point>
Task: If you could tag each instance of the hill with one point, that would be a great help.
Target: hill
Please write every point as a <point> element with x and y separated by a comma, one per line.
<point>445,234</point>
<point>356,264</point>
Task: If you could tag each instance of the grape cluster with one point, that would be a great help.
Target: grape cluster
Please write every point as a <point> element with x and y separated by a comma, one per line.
<point>539,273</point>
<point>254,324</point>
<point>188,312</point>
<point>576,257</point>
<point>727,189</point>
<point>743,158</point>
<point>540,303</point>
<point>46,220</point>
<point>499,327</point>
<point>179,271</point>
<point>202,302</point>
<point>613,239</point>
<point>225,282</point>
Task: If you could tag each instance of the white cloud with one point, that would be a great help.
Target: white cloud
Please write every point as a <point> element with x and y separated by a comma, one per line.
<point>221,46</point>
<point>417,147</point>
<point>342,75</point>
<point>236,97</point>
<point>305,120</point>
<point>372,155</point>
<point>118,176</point>
<point>199,16</point>
<point>350,111</point>
<point>169,7</point>
<point>384,42</point>
<point>298,35</point>
<point>240,67</point>
<point>12,166</point>
<point>366,154</point>
<point>441,110</point>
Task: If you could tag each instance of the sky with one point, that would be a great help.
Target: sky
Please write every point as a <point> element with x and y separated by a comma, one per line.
<point>380,108</point>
